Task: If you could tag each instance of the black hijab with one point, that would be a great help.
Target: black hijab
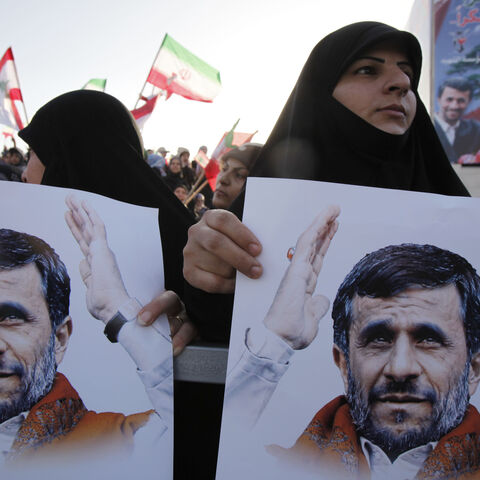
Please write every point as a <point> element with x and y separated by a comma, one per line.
<point>317,138</point>
<point>88,140</point>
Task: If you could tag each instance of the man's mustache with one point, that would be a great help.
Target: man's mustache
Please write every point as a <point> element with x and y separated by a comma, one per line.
<point>402,387</point>
<point>11,368</point>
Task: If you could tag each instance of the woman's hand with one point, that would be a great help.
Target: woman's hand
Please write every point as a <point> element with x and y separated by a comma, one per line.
<point>295,312</point>
<point>106,292</point>
<point>217,246</point>
<point>182,330</point>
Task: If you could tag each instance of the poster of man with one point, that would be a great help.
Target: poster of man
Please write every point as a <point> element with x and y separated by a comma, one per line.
<point>389,388</point>
<point>457,107</point>
<point>84,388</point>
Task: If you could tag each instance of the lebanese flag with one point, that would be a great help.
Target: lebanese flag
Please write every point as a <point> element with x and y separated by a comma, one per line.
<point>177,70</point>
<point>10,94</point>
<point>201,158</point>
<point>229,141</point>
<point>142,114</point>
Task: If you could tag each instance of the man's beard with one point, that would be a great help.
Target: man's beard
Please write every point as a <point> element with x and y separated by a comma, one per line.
<point>447,413</point>
<point>35,382</point>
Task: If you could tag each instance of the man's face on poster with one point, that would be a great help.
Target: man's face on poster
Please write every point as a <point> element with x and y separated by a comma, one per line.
<point>453,104</point>
<point>27,343</point>
<point>407,375</point>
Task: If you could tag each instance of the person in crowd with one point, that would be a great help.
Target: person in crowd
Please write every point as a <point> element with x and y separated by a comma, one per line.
<point>174,174</point>
<point>12,165</point>
<point>112,164</point>
<point>199,206</point>
<point>360,121</point>
<point>45,414</point>
<point>235,166</point>
<point>181,192</point>
<point>406,325</point>
<point>459,136</point>
<point>157,160</point>
<point>14,157</point>
<point>187,171</point>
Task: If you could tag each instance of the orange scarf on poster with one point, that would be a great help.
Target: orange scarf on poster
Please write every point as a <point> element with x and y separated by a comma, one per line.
<point>330,443</point>
<point>60,423</point>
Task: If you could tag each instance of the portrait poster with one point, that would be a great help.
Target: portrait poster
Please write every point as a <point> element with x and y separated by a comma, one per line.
<point>258,425</point>
<point>107,376</point>
<point>456,36</point>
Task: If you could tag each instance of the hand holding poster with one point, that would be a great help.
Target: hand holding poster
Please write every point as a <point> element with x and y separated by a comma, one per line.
<point>400,393</point>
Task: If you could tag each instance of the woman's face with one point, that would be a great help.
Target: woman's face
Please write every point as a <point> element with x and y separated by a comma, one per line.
<point>378,88</point>
<point>175,166</point>
<point>34,170</point>
<point>184,158</point>
<point>230,181</point>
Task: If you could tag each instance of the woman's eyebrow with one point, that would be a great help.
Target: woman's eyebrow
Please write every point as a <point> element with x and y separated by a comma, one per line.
<point>382,60</point>
<point>369,57</point>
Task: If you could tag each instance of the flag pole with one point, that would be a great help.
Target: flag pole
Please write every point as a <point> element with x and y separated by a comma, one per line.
<point>192,195</point>
<point>153,63</point>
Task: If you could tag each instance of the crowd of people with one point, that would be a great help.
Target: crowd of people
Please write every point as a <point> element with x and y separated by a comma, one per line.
<point>354,117</point>
<point>12,164</point>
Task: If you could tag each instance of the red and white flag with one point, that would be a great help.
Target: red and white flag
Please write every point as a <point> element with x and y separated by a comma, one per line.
<point>142,113</point>
<point>11,101</point>
<point>229,141</point>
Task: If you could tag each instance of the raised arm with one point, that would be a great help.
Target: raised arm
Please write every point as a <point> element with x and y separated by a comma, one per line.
<point>291,324</point>
<point>106,292</point>
<point>295,312</point>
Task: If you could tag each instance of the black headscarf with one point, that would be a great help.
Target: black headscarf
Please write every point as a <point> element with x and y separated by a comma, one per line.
<point>317,138</point>
<point>88,141</point>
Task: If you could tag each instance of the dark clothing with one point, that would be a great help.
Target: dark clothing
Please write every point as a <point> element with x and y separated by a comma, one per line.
<point>87,140</point>
<point>173,180</point>
<point>12,173</point>
<point>189,177</point>
<point>467,139</point>
<point>317,138</point>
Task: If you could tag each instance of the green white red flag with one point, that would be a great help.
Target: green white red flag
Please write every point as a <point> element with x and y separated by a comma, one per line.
<point>177,70</point>
<point>201,158</point>
<point>97,84</point>
<point>229,141</point>
<point>11,100</point>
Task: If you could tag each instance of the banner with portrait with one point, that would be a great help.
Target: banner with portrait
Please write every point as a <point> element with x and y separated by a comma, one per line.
<point>456,34</point>
<point>375,360</point>
<point>85,391</point>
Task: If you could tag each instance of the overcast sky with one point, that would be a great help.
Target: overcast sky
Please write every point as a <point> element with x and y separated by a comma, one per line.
<point>259,47</point>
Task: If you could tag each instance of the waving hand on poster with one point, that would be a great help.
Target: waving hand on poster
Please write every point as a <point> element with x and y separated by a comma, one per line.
<point>291,324</point>
<point>106,292</point>
<point>295,311</point>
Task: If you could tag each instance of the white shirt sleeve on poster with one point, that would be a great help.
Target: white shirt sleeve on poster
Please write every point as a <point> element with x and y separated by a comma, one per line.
<point>151,350</point>
<point>252,380</point>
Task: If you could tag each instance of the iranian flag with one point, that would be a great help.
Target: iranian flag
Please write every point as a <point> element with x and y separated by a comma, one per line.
<point>10,95</point>
<point>97,84</point>
<point>177,70</point>
<point>229,141</point>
